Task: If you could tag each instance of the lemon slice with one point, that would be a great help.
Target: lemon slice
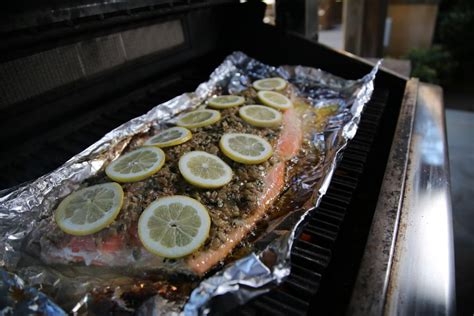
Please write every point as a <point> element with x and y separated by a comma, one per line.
<point>169,137</point>
<point>89,210</point>
<point>270,84</point>
<point>204,170</point>
<point>198,118</point>
<point>174,226</point>
<point>275,100</point>
<point>136,165</point>
<point>245,148</point>
<point>260,116</point>
<point>225,101</point>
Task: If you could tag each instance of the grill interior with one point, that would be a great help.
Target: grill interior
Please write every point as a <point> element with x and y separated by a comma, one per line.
<point>55,126</point>
<point>36,152</point>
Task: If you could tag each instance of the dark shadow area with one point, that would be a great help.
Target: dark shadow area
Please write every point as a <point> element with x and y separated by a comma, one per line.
<point>460,130</point>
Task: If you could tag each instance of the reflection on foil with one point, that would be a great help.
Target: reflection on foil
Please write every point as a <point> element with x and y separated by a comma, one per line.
<point>238,282</point>
<point>241,281</point>
<point>18,299</point>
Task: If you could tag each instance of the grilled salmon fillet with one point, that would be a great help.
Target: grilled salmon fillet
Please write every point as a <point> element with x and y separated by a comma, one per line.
<point>234,209</point>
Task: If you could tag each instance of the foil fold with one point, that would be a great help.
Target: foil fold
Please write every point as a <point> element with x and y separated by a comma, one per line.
<point>18,299</point>
<point>241,280</point>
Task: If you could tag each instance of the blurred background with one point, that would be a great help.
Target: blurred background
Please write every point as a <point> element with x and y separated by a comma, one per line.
<point>429,39</point>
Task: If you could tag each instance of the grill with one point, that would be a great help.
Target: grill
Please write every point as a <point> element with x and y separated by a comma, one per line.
<point>71,74</point>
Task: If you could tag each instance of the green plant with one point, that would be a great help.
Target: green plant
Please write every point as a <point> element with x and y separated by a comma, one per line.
<point>434,64</point>
<point>456,30</point>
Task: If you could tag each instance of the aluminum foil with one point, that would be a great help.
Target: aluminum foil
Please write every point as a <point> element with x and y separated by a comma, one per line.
<point>18,299</point>
<point>239,281</point>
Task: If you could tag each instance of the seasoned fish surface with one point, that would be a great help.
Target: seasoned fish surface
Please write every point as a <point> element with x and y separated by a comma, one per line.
<point>234,209</point>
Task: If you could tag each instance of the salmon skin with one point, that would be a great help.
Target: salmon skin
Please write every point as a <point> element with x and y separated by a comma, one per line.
<point>234,209</point>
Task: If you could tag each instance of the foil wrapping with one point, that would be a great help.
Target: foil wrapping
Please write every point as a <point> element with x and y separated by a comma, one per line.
<point>236,283</point>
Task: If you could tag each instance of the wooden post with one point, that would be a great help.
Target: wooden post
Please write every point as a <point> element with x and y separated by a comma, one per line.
<point>364,25</point>
<point>299,16</point>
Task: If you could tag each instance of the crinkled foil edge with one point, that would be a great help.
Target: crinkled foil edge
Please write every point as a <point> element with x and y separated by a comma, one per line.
<point>242,280</point>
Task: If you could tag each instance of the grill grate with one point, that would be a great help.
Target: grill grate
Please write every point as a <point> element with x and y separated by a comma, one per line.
<point>312,251</point>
